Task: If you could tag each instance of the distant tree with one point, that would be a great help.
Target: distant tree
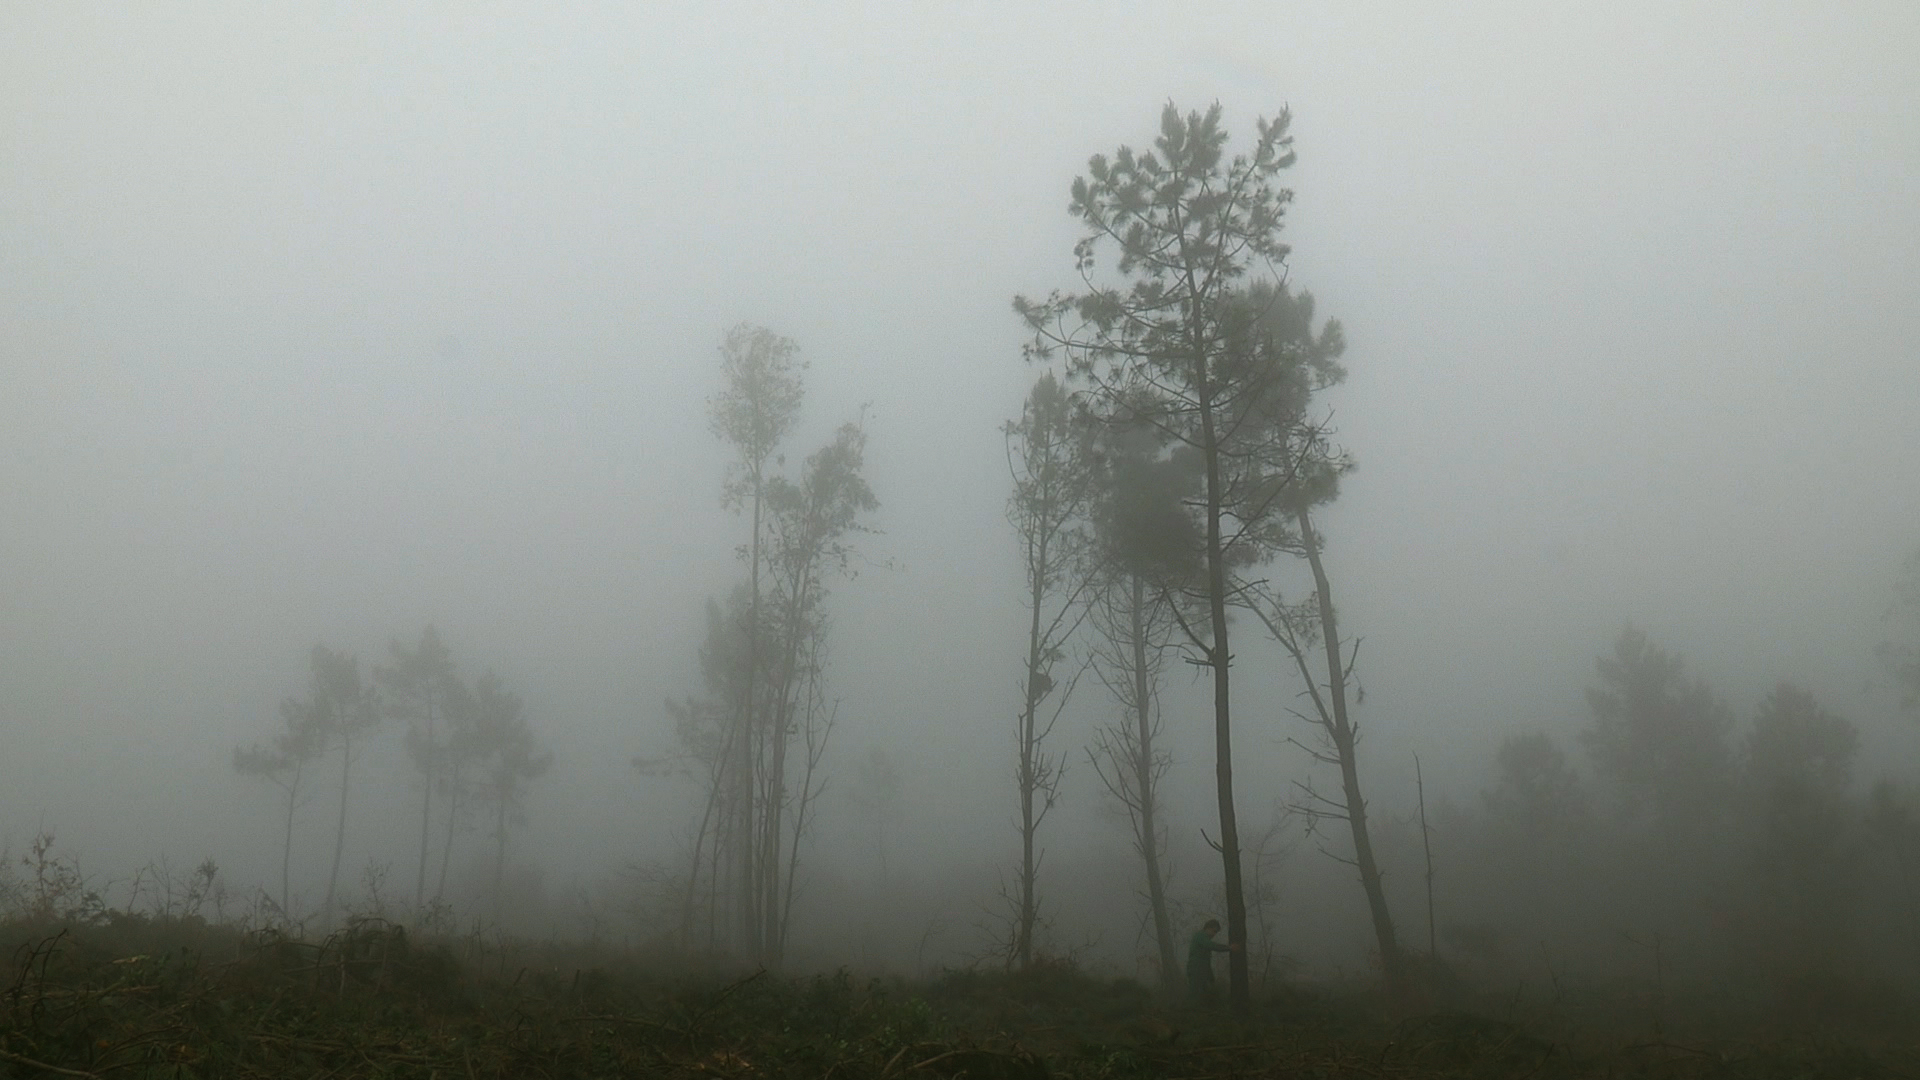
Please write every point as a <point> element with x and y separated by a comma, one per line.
<point>1901,653</point>
<point>813,520</point>
<point>1661,736</point>
<point>508,758</point>
<point>284,760</point>
<point>1174,344</point>
<point>1143,537</point>
<point>1892,822</point>
<point>762,659</point>
<point>1536,794</point>
<point>756,408</point>
<point>343,707</point>
<point>705,729</point>
<point>460,749</point>
<point>419,683</point>
<point>1054,482</point>
<point>1799,764</point>
<point>876,795</point>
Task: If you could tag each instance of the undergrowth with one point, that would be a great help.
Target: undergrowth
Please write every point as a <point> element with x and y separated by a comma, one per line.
<point>142,996</point>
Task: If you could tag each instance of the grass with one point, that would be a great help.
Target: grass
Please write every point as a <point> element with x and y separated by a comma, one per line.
<point>140,996</point>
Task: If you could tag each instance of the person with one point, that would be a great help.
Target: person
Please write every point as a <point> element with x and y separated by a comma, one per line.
<point>1200,950</point>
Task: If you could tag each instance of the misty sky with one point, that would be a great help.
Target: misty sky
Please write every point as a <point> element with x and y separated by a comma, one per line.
<point>322,322</point>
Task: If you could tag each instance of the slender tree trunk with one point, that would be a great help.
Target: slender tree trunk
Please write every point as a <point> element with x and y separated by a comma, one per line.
<point>773,911</point>
<point>1144,784</point>
<point>286,848</point>
<point>770,853</point>
<point>500,859</point>
<point>446,849</point>
<point>1426,847</point>
<point>1220,658</point>
<point>699,842</point>
<point>340,832</point>
<point>1343,741</point>
<point>748,885</point>
<point>800,809</point>
<point>432,764</point>
<point>1029,777</point>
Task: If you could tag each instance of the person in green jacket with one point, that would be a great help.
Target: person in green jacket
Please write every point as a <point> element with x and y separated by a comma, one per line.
<point>1200,950</point>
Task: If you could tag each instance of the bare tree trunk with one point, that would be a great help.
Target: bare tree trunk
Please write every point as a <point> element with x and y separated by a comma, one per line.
<point>816,747</point>
<point>1220,657</point>
<point>426,804</point>
<point>340,832</point>
<point>500,861</point>
<point>747,888</point>
<point>453,815</point>
<point>773,912</point>
<point>1146,783</point>
<point>286,849</point>
<point>1028,776</point>
<point>1343,741</point>
<point>699,843</point>
<point>1426,846</point>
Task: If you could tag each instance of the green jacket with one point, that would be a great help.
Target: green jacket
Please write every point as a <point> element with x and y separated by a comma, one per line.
<point>1200,950</point>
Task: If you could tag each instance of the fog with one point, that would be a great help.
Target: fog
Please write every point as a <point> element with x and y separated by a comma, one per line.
<point>322,326</point>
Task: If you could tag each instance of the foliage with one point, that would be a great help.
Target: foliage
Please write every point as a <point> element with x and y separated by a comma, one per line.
<point>1200,341</point>
<point>1901,654</point>
<point>756,737</point>
<point>419,683</point>
<point>1055,477</point>
<point>1536,791</point>
<point>153,997</point>
<point>1660,735</point>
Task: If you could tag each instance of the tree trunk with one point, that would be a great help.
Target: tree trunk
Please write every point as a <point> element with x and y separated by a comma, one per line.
<point>1343,741</point>
<point>747,888</point>
<point>1144,784</point>
<point>426,805</point>
<point>340,832</point>
<point>446,850</point>
<point>500,859</point>
<point>286,849</point>
<point>1220,657</point>
<point>699,843</point>
<point>1029,908</point>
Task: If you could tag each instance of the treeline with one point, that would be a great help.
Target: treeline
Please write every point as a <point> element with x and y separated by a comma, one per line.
<point>1696,845</point>
<point>472,754</point>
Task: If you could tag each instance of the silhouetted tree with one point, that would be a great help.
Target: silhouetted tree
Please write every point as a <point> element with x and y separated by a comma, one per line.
<point>1536,797</point>
<point>876,795</point>
<point>343,707</point>
<point>1799,760</point>
<point>755,409</point>
<point>460,748</point>
<point>761,663</point>
<point>706,727</point>
<point>1144,543</point>
<point>812,523</point>
<point>1901,654</point>
<point>1661,736</point>
<point>1298,629</point>
<point>1168,345</point>
<point>284,760</point>
<point>1049,455</point>
<point>419,683</point>
<point>507,758</point>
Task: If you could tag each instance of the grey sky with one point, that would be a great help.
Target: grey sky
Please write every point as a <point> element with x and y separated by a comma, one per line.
<point>322,322</point>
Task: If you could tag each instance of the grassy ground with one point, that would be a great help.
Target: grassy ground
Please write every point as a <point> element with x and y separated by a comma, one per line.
<point>136,997</point>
